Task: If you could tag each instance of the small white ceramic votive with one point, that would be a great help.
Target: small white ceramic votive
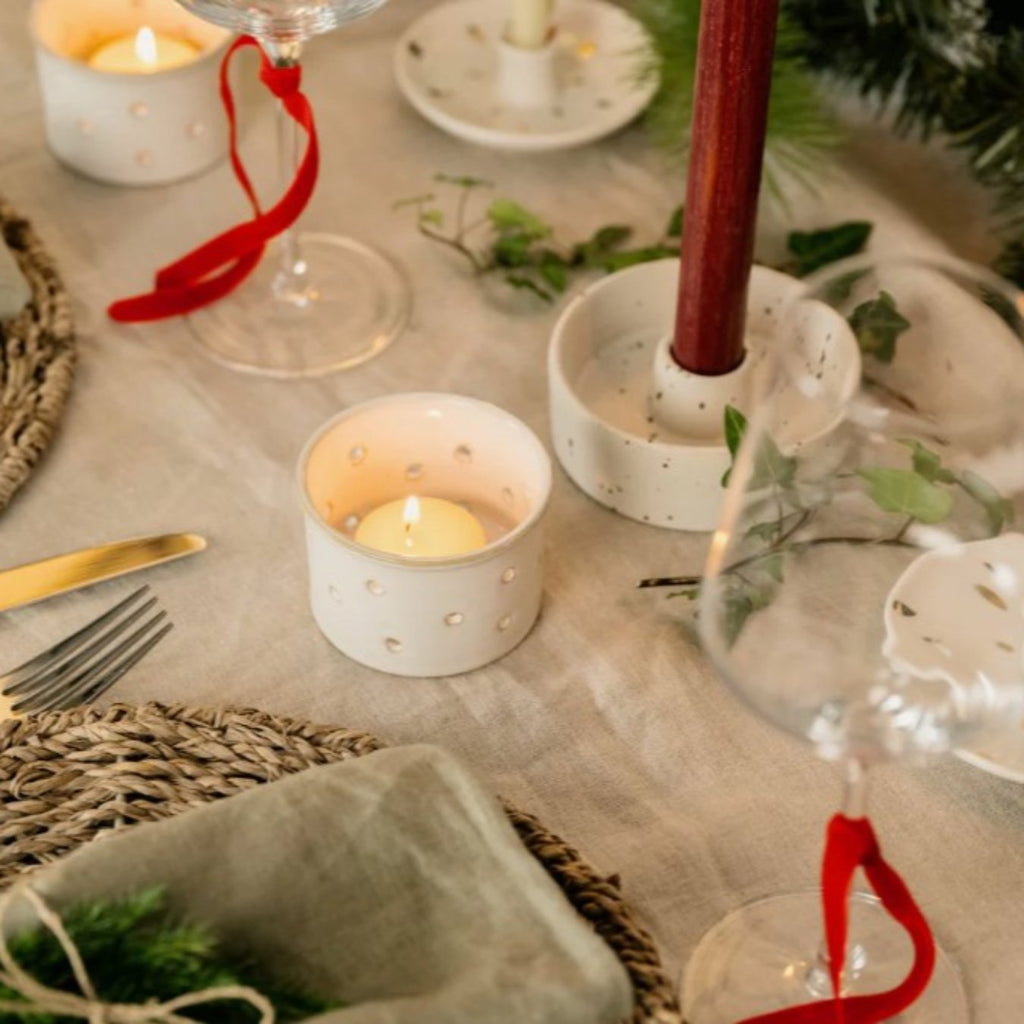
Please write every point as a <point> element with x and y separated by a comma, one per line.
<point>425,616</point>
<point>148,128</point>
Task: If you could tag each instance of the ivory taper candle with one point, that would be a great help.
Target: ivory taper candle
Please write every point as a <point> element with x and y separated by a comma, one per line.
<point>530,24</point>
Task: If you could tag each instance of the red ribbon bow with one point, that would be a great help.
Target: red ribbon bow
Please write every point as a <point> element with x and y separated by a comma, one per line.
<point>223,263</point>
<point>851,843</point>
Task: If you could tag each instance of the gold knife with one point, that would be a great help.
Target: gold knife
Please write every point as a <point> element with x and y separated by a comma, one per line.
<point>26,584</point>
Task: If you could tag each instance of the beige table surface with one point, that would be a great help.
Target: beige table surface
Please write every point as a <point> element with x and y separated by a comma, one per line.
<point>607,722</point>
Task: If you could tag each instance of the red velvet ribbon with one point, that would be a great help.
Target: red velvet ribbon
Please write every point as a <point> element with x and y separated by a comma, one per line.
<point>223,263</point>
<point>851,843</point>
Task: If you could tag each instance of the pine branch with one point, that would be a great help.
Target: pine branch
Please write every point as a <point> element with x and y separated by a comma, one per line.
<point>136,951</point>
<point>798,126</point>
<point>938,66</point>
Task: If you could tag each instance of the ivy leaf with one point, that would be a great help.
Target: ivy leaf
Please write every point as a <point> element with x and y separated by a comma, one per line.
<point>554,270</point>
<point>877,324</point>
<point>674,228</point>
<point>631,257</point>
<point>773,565</point>
<point>766,531</point>
<point>771,467</point>
<point>600,246</point>
<point>998,509</point>
<point>772,529</point>
<point>611,236</point>
<point>928,463</point>
<point>738,607</point>
<point>734,429</point>
<point>815,249</point>
<point>526,283</point>
<point>512,250</point>
<point>506,215</point>
<point>741,600</point>
<point>907,493</point>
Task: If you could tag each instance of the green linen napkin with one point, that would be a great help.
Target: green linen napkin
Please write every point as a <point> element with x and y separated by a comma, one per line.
<point>392,883</point>
<point>14,289</point>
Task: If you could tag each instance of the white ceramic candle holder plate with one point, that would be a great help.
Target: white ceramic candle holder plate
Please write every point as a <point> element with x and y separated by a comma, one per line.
<point>958,613</point>
<point>455,69</point>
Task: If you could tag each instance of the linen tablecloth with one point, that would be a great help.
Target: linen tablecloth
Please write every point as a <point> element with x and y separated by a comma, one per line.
<point>607,722</point>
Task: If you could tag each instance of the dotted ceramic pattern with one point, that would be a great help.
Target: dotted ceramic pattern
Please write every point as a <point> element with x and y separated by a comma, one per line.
<point>605,399</point>
<point>453,69</point>
<point>126,129</point>
<point>957,614</point>
<point>436,616</point>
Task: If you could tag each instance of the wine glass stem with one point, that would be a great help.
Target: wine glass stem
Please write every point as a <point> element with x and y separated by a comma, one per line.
<point>855,800</point>
<point>855,789</point>
<point>291,282</point>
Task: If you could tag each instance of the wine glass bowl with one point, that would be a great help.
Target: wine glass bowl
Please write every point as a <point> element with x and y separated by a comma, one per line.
<point>281,20</point>
<point>864,590</point>
<point>805,595</point>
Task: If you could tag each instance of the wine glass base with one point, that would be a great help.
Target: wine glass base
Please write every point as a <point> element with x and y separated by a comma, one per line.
<point>348,308</point>
<point>763,957</point>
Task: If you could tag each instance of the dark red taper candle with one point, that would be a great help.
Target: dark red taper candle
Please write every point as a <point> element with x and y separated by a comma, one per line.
<point>730,112</point>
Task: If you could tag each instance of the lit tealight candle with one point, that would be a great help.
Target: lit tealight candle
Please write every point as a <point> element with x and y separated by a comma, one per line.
<point>143,53</point>
<point>421,528</point>
<point>530,24</point>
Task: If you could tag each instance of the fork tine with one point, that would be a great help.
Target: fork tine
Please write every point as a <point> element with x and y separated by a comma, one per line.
<point>15,680</point>
<point>38,687</point>
<point>56,693</point>
<point>133,658</point>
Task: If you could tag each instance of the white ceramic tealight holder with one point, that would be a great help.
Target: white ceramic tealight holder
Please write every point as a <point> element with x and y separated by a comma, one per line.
<point>457,67</point>
<point>643,436</point>
<point>148,128</point>
<point>425,616</point>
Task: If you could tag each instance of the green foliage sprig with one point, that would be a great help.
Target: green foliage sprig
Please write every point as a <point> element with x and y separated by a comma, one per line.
<point>136,951</point>
<point>518,244</point>
<point>923,492</point>
<point>509,240</point>
<point>948,67</point>
<point>798,126</point>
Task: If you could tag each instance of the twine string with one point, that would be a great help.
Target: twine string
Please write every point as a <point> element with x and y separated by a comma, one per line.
<point>87,1006</point>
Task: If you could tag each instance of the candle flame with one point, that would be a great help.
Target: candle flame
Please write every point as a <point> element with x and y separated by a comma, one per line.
<point>411,512</point>
<point>145,45</point>
<point>410,516</point>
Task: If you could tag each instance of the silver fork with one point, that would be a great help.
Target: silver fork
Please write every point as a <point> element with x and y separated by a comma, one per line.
<point>83,666</point>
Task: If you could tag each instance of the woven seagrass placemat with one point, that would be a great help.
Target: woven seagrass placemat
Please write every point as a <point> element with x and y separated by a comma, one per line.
<point>68,776</point>
<point>37,356</point>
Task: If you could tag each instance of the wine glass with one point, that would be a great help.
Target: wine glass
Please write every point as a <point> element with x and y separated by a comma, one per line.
<point>864,589</point>
<point>326,303</point>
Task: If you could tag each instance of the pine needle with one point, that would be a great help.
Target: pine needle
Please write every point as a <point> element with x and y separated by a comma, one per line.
<point>135,950</point>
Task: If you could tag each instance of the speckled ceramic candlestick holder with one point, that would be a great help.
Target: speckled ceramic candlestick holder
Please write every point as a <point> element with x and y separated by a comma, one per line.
<point>456,66</point>
<point>643,436</point>
<point>425,616</point>
<point>128,129</point>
